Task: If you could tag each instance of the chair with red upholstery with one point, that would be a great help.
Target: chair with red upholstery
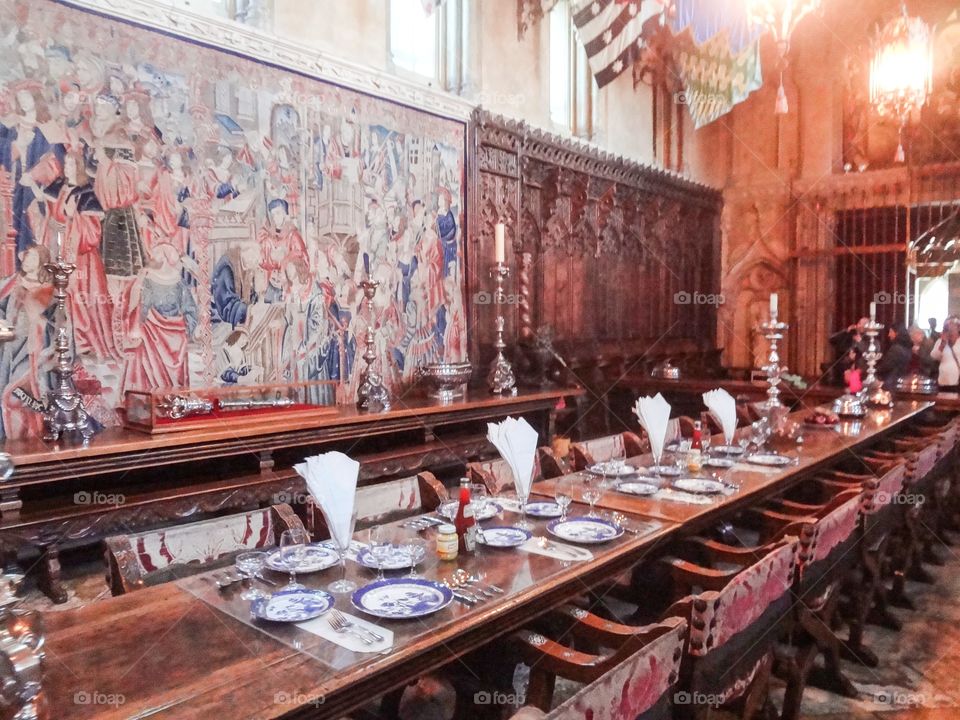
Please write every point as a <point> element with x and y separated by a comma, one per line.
<point>601,449</point>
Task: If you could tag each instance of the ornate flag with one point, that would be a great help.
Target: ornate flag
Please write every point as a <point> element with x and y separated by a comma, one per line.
<point>612,33</point>
<point>530,12</point>
<point>717,53</point>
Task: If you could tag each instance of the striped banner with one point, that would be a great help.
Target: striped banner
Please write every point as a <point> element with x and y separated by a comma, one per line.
<point>612,33</point>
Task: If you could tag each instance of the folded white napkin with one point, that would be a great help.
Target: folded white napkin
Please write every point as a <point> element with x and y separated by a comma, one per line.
<point>517,443</point>
<point>332,481</point>
<point>654,416</point>
<point>723,407</point>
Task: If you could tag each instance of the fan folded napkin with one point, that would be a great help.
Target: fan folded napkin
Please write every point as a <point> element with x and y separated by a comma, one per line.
<point>723,407</point>
<point>332,481</point>
<point>654,416</point>
<point>517,443</point>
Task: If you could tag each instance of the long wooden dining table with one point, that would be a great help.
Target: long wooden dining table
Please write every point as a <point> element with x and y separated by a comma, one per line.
<point>172,652</point>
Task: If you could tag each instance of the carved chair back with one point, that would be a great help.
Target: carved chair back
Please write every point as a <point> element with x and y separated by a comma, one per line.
<point>638,688</point>
<point>627,671</point>
<point>385,502</point>
<point>151,557</point>
<point>732,630</point>
<point>551,466</point>
<point>496,474</point>
<point>625,444</point>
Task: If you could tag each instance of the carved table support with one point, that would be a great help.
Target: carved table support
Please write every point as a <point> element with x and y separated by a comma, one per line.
<point>49,580</point>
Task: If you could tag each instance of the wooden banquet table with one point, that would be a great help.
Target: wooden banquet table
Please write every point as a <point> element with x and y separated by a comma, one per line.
<point>165,652</point>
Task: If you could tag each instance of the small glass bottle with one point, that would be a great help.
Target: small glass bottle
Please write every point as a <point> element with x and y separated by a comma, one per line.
<point>447,542</point>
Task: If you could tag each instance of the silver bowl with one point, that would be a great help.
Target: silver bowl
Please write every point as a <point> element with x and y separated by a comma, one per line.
<point>446,381</point>
<point>849,406</point>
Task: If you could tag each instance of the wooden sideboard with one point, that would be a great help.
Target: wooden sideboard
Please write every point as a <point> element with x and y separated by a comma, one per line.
<point>64,495</point>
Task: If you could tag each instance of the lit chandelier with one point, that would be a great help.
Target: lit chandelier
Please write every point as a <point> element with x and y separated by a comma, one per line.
<point>780,19</point>
<point>901,73</point>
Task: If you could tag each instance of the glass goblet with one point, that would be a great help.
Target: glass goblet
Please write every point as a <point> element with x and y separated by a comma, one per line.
<point>293,550</point>
<point>592,492</point>
<point>563,494</point>
<point>342,544</point>
<point>249,565</point>
<point>379,547</point>
<point>416,551</point>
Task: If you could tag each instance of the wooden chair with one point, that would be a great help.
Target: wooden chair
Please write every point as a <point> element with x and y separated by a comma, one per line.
<point>496,475</point>
<point>551,466</point>
<point>744,601</point>
<point>143,559</point>
<point>634,680</point>
<point>385,502</point>
<point>587,453</point>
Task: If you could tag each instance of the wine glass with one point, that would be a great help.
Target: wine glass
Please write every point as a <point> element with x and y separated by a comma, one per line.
<point>249,565</point>
<point>416,551</point>
<point>293,550</point>
<point>379,547</point>
<point>478,498</point>
<point>563,494</point>
<point>592,492</point>
<point>342,544</point>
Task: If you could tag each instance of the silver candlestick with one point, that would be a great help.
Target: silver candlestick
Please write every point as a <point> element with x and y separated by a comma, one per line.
<point>64,411</point>
<point>773,330</point>
<point>371,394</point>
<point>873,392</point>
<point>501,378</point>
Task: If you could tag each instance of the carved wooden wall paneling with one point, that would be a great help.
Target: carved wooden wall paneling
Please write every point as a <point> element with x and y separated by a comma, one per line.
<point>612,254</point>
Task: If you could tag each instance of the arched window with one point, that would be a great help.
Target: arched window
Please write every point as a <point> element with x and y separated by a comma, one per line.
<point>573,91</point>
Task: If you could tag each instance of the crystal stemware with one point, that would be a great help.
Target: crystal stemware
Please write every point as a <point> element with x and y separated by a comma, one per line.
<point>249,565</point>
<point>342,545</point>
<point>416,551</point>
<point>478,498</point>
<point>592,492</point>
<point>563,494</point>
<point>379,547</point>
<point>293,550</point>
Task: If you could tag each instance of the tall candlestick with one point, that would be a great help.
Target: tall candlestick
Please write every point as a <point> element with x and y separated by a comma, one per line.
<point>773,305</point>
<point>499,249</point>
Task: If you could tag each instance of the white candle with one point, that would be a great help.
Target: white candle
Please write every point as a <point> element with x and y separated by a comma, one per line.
<point>873,312</point>
<point>773,305</point>
<point>499,251</point>
<point>59,239</point>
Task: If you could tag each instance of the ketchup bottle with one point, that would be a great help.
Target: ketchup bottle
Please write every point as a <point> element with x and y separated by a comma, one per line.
<point>465,523</point>
<point>696,442</point>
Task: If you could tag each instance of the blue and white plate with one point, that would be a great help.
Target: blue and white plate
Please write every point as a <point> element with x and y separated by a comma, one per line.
<point>317,557</point>
<point>637,488</point>
<point>611,468</point>
<point>716,462</point>
<point>585,530</point>
<point>504,537</point>
<point>664,470</point>
<point>397,557</point>
<point>544,509</point>
<point>294,605</point>
<point>700,486</point>
<point>769,459</point>
<point>401,598</point>
<point>727,449</point>
<point>490,509</point>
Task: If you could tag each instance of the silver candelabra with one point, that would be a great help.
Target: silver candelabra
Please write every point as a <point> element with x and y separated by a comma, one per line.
<point>773,330</point>
<point>371,393</point>
<point>873,391</point>
<point>501,378</point>
<point>64,411</point>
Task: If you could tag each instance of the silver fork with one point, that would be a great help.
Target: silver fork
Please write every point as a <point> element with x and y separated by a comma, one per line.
<point>342,625</point>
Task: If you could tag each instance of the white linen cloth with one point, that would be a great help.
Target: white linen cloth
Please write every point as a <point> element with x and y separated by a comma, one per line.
<point>654,416</point>
<point>723,408</point>
<point>321,626</point>
<point>516,441</point>
<point>332,481</point>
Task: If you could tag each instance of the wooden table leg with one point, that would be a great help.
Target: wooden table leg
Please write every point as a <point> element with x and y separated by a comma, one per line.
<point>49,579</point>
